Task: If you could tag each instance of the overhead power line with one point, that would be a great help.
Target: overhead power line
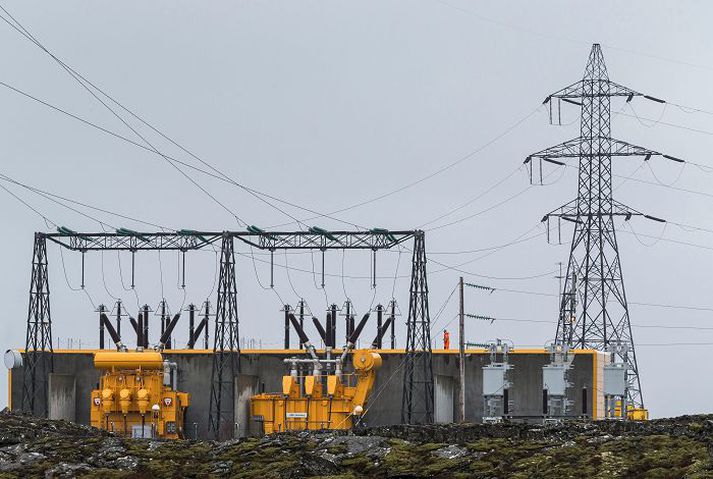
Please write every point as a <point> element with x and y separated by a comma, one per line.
<point>86,83</point>
<point>559,38</point>
<point>309,272</point>
<point>492,319</point>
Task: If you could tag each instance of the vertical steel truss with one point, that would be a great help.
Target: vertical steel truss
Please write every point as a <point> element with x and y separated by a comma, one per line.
<point>38,363</point>
<point>226,349</point>
<point>417,398</point>
<point>594,268</point>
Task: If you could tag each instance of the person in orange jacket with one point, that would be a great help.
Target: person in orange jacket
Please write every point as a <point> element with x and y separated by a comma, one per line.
<point>446,340</point>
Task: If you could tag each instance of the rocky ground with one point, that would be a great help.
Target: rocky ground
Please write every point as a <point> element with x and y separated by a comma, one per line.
<point>664,448</point>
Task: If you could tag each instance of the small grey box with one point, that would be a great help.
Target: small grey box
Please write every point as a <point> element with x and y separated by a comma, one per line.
<point>493,380</point>
<point>553,379</point>
<point>615,380</point>
<point>137,433</point>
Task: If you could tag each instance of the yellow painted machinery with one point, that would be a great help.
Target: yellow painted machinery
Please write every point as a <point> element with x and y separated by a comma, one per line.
<point>137,393</point>
<point>324,399</point>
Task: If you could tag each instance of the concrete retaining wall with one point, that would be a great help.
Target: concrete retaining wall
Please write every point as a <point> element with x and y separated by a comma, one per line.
<point>262,371</point>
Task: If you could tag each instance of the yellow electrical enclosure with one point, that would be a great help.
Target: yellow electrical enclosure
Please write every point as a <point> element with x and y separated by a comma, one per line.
<point>136,395</point>
<point>331,401</point>
<point>637,414</point>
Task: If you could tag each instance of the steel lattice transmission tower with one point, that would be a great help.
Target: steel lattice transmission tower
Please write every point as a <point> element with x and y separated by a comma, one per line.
<point>38,342</point>
<point>417,398</point>
<point>226,348</point>
<point>594,272</point>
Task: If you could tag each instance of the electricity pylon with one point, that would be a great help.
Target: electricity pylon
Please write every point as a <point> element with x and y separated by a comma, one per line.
<point>594,273</point>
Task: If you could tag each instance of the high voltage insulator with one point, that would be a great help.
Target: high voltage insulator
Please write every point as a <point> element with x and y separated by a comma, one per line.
<point>480,317</point>
<point>478,286</point>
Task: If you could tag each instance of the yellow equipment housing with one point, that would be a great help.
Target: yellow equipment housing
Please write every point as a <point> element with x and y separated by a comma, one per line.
<point>637,414</point>
<point>632,413</point>
<point>309,405</point>
<point>136,395</point>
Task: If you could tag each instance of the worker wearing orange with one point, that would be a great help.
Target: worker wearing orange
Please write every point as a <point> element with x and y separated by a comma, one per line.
<point>446,340</point>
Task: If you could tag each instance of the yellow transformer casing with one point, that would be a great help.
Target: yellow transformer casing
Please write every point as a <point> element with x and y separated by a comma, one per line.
<point>132,399</point>
<point>637,414</point>
<point>313,405</point>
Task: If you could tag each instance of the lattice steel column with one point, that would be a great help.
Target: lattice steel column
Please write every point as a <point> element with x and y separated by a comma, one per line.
<point>594,286</point>
<point>38,362</point>
<point>226,350</point>
<point>417,399</point>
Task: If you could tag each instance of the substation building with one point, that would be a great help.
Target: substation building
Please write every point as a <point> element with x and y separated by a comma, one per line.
<point>74,378</point>
<point>217,388</point>
<point>212,393</point>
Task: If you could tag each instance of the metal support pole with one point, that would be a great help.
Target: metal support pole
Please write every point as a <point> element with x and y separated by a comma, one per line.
<point>145,336</point>
<point>373,269</point>
<point>102,310</point>
<point>333,327</point>
<point>163,316</point>
<point>133,269</point>
<point>82,285</point>
<point>379,324</point>
<point>461,354</point>
<point>206,318</point>
<point>118,317</point>
<point>302,317</point>
<point>140,330</point>
<point>183,269</point>
<point>287,310</point>
<point>191,324</point>
<point>392,306</point>
<point>347,320</point>
<point>322,269</point>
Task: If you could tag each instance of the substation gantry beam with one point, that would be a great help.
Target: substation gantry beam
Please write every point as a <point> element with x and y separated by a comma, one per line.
<point>418,377</point>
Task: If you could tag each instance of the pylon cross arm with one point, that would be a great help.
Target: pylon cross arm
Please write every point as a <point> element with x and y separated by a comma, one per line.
<point>593,87</point>
<point>582,147</point>
<point>622,148</point>
<point>571,212</point>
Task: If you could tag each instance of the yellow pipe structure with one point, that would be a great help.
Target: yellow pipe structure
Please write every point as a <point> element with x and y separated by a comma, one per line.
<point>305,404</point>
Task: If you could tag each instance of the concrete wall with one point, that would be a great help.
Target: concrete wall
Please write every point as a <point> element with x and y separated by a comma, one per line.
<point>62,396</point>
<point>263,372</point>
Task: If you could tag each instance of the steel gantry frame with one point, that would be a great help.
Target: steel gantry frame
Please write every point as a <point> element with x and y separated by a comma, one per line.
<point>594,285</point>
<point>418,381</point>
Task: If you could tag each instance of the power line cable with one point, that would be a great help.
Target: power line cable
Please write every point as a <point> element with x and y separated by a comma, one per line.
<point>440,170</point>
<point>38,191</point>
<point>473,199</point>
<point>47,220</point>
<point>84,82</point>
<point>86,85</point>
<point>146,148</point>
<point>560,38</point>
<point>492,319</point>
<point>495,206</point>
<point>173,160</point>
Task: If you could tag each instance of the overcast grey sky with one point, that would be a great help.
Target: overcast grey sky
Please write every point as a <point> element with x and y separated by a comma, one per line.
<point>331,103</point>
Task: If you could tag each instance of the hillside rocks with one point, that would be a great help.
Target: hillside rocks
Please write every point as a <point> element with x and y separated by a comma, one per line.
<point>664,448</point>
